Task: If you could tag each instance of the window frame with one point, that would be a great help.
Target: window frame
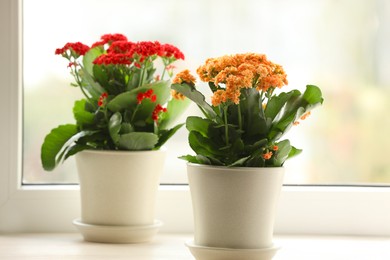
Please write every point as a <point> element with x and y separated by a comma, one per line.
<point>342,210</point>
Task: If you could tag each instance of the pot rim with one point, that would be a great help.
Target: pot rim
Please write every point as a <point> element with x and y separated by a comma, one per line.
<point>123,152</point>
<point>205,166</point>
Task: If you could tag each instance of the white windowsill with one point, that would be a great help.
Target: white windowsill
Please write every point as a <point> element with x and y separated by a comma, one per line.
<point>171,246</point>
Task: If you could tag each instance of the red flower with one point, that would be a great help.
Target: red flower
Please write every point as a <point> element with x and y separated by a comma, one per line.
<point>72,64</point>
<point>102,98</point>
<point>157,110</point>
<point>77,47</point>
<point>169,51</point>
<point>122,47</point>
<point>113,58</point>
<point>110,38</point>
<point>148,94</point>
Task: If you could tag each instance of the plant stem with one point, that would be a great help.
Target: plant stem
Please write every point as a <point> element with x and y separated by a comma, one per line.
<point>78,81</point>
<point>165,68</point>
<point>239,117</point>
<point>143,68</point>
<point>226,125</point>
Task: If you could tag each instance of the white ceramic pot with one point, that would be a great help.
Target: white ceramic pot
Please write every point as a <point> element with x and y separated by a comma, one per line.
<point>234,207</point>
<point>118,189</point>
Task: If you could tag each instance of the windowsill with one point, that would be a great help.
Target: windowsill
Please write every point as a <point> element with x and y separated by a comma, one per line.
<point>171,246</point>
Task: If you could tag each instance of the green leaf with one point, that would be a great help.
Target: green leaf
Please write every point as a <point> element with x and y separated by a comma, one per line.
<point>114,126</point>
<point>128,100</point>
<point>82,116</point>
<point>281,156</point>
<point>277,102</point>
<point>193,94</point>
<point>255,160</point>
<point>256,146</point>
<point>293,109</point>
<point>126,128</point>
<point>75,148</point>
<point>313,95</point>
<point>54,143</point>
<point>294,152</point>
<point>189,158</point>
<point>254,121</point>
<point>137,141</point>
<point>239,162</point>
<point>175,109</point>
<point>204,146</point>
<point>200,125</point>
<point>165,135</point>
<point>89,57</point>
<point>92,87</point>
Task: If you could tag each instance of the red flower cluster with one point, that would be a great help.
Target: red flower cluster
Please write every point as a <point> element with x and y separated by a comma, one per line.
<point>110,38</point>
<point>125,52</point>
<point>113,58</point>
<point>169,50</point>
<point>157,110</point>
<point>102,98</point>
<point>78,47</point>
<point>148,94</point>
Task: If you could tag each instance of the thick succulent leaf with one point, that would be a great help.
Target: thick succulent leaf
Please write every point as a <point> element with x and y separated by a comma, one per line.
<point>256,146</point>
<point>254,120</point>
<point>284,149</point>
<point>126,128</point>
<point>197,97</point>
<point>294,152</point>
<point>89,57</point>
<point>92,86</point>
<point>82,116</point>
<point>189,158</point>
<point>128,100</point>
<point>75,148</point>
<point>201,125</point>
<point>57,144</point>
<point>137,141</point>
<point>54,143</point>
<point>114,126</point>
<point>204,146</point>
<point>295,107</point>
<point>240,162</point>
<point>255,160</point>
<point>165,135</point>
<point>277,102</point>
<point>175,109</point>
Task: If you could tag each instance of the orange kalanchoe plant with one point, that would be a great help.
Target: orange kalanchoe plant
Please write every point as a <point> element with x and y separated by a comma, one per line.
<point>246,120</point>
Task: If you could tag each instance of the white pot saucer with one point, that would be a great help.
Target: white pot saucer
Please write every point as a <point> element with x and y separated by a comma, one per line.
<point>117,234</point>
<point>215,253</point>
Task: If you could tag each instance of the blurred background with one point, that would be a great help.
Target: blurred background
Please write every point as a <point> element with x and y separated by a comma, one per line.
<point>338,45</point>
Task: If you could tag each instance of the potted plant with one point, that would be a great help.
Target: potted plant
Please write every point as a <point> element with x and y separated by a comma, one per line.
<point>236,175</point>
<point>122,123</point>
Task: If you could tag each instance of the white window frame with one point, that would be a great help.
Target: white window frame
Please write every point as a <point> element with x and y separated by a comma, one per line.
<point>51,208</point>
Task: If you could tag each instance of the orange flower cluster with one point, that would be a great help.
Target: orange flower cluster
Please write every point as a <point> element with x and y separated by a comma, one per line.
<point>183,76</point>
<point>241,71</point>
<point>303,117</point>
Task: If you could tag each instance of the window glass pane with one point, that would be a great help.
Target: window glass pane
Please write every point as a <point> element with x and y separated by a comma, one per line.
<point>341,46</point>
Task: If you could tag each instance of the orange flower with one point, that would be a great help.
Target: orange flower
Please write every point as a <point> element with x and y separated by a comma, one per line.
<point>267,155</point>
<point>184,76</point>
<point>177,95</point>
<point>218,97</point>
<point>275,148</point>
<point>304,116</point>
<point>241,71</point>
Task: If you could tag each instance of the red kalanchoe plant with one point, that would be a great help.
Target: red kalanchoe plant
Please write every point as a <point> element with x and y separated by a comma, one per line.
<point>128,104</point>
